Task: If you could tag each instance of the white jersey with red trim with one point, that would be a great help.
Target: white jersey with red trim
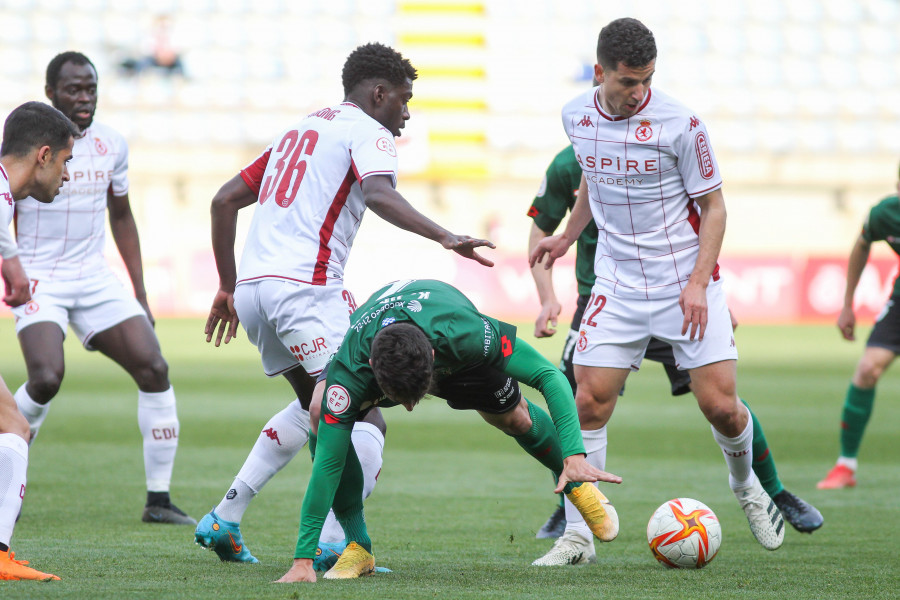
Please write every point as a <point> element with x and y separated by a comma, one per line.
<point>310,203</point>
<point>64,240</point>
<point>642,172</point>
<point>7,243</point>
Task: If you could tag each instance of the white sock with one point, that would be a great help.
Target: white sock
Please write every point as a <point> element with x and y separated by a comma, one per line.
<point>738,452</point>
<point>34,412</point>
<point>278,442</point>
<point>850,463</point>
<point>13,466</point>
<point>158,422</point>
<point>595,446</point>
<point>369,444</point>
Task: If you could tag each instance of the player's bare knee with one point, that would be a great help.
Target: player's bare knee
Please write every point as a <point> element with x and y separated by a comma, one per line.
<point>728,419</point>
<point>153,375</point>
<point>867,374</point>
<point>43,384</point>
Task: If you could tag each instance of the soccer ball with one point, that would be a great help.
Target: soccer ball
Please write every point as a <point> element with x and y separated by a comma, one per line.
<point>684,534</point>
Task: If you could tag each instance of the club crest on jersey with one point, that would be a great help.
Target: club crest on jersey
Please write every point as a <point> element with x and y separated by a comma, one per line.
<point>414,306</point>
<point>386,145</point>
<point>100,146</point>
<point>582,341</point>
<point>31,307</point>
<point>643,132</point>
<point>387,321</point>
<point>338,399</point>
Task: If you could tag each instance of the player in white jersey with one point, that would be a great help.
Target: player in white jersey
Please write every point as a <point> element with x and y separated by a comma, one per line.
<point>37,144</point>
<point>61,248</point>
<point>312,186</point>
<point>652,183</point>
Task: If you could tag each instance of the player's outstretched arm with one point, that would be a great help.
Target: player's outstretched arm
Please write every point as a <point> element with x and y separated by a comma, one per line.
<point>15,282</point>
<point>556,246</point>
<point>856,263</point>
<point>387,203</point>
<point>234,195</point>
<point>544,325</point>
<point>125,234</point>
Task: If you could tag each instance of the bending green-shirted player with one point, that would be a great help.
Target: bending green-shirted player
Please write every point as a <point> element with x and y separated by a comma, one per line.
<point>424,336</point>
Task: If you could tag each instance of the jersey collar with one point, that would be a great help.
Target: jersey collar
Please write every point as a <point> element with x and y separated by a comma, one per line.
<point>609,117</point>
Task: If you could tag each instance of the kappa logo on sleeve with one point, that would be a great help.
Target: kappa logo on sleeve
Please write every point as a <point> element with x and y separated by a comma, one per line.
<point>386,145</point>
<point>338,399</point>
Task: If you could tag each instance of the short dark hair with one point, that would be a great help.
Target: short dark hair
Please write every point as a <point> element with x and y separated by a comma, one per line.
<point>35,124</point>
<point>626,41</point>
<point>376,61</point>
<point>56,65</point>
<point>403,362</point>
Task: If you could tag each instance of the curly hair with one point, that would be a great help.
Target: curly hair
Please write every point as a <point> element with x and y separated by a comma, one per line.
<point>56,65</point>
<point>378,61</point>
<point>403,362</point>
<point>626,41</point>
<point>35,124</point>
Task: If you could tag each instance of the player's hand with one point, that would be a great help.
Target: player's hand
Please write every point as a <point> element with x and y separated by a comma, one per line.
<point>465,247</point>
<point>142,300</point>
<point>693,305</point>
<point>223,315</point>
<point>576,468</point>
<point>15,282</point>
<point>554,246</point>
<point>549,313</point>
<point>301,571</point>
<point>847,323</point>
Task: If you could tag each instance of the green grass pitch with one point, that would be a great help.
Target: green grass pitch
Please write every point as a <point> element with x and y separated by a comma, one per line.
<point>457,506</point>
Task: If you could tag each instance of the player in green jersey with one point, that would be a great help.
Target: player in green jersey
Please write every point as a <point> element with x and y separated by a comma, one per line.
<point>423,336</point>
<point>882,346</point>
<point>554,199</point>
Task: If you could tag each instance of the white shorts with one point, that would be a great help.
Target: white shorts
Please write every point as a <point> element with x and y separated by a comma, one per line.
<point>615,331</point>
<point>294,323</point>
<point>90,305</point>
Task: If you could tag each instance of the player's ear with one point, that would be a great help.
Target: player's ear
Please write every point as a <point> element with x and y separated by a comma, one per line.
<point>48,91</point>
<point>44,155</point>
<point>598,73</point>
<point>379,91</point>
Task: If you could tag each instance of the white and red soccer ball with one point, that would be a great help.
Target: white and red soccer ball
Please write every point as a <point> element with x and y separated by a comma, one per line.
<point>684,534</point>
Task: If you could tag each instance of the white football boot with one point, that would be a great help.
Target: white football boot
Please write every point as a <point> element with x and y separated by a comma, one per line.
<point>570,549</point>
<point>765,519</point>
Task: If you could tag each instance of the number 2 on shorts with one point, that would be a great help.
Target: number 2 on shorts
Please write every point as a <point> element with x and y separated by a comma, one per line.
<point>594,301</point>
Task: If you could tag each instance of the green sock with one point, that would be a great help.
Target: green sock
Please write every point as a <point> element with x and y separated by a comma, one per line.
<point>542,441</point>
<point>763,463</point>
<point>857,410</point>
<point>348,504</point>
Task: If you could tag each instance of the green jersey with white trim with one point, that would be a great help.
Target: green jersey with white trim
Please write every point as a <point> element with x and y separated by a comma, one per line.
<point>461,336</point>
